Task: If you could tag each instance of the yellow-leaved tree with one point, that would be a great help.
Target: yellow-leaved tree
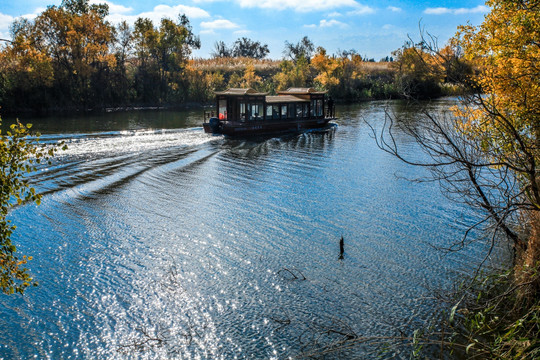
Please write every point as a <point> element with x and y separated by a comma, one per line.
<point>486,153</point>
<point>504,116</point>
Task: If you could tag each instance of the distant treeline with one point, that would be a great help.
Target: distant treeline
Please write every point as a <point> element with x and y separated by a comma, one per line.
<point>69,58</point>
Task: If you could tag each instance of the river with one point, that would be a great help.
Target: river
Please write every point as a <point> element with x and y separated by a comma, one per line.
<point>157,241</point>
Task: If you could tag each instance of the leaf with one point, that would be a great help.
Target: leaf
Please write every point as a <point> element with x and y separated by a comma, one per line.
<point>453,314</point>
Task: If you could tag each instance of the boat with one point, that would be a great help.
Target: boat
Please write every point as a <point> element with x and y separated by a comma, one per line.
<point>246,112</point>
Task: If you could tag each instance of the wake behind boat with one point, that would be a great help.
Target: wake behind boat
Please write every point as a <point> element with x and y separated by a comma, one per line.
<point>244,112</point>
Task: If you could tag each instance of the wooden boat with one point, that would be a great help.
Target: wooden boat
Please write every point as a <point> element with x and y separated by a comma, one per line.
<point>245,112</point>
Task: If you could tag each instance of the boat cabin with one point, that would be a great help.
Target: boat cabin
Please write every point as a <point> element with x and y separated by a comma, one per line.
<point>247,105</point>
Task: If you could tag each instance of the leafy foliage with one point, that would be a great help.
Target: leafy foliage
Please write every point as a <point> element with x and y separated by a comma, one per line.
<point>487,153</point>
<point>70,57</point>
<point>19,155</point>
<point>503,115</point>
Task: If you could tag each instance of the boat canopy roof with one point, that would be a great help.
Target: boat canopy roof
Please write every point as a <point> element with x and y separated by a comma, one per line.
<point>285,99</point>
<point>292,94</point>
<point>240,92</point>
<point>301,91</point>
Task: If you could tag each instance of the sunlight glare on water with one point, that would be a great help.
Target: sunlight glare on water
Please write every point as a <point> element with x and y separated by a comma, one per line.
<point>163,244</point>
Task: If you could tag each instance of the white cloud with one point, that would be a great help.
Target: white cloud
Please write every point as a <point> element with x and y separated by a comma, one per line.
<point>209,27</point>
<point>330,23</point>
<point>118,13</point>
<point>298,5</point>
<point>394,9</point>
<point>219,24</point>
<point>335,14</point>
<point>361,10</point>
<point>5,22</point>
<point>437,11</point>
<point>459,11</point>
<point>326,24</point>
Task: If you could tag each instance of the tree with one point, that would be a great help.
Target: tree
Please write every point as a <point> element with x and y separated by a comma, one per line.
<point>245,47</point>
<point>69,45</point>
<point>327,68</point>
<point>418,71</point>
<point>302,49</point>
<point>221,50</point>
<point>163,54</point>
<point>489,149</point>
<point>486,152</point>
<point>19,155</point>
<point>505,118</point>
<point>119,89</point>
<point>293,74</point>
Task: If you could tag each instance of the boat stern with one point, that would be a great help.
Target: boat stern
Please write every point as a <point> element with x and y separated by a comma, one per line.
<point>213,126</point>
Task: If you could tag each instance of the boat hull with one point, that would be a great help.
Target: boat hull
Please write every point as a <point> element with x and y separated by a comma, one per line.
<point>259,127</point>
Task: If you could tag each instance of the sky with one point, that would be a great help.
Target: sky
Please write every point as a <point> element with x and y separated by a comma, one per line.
<point>372,28</point>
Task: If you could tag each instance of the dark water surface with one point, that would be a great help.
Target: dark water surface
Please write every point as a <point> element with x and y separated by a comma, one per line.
<point>157,241</point>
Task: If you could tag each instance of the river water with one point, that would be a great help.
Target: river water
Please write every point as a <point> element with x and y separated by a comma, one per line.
<point>157,241</point>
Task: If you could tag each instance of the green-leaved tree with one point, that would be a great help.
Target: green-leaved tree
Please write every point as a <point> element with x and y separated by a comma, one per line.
<point>19,155</point>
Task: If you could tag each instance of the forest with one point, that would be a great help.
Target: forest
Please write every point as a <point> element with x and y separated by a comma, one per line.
<point>71,59</point>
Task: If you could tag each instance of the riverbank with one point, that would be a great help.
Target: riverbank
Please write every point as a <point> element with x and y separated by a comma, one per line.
<point>351,81</point>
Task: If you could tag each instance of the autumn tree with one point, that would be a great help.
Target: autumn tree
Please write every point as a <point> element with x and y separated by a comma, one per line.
<point>120,80</point>
<point>326,67</point>
<point>65,49</point>
<point>486,153</point>
<point>162,55</point>
<point>293,74</point>
<point>418,71</point>
<point>76,37</point>
<point>27,74</point>
<point>505,116</point>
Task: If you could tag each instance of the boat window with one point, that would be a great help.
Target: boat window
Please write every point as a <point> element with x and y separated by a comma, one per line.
<point>312,108</point>
<point>283,111</point>
<point>319,108</point>
<point>292,114</point>
<point>242,111</point>
<point>268,111</point>
<point>222,109</point>
<point>305,110</point>
<point>259,114</point>
<point>298,110</point>
<point>255,111</point>
<point>275,111</point>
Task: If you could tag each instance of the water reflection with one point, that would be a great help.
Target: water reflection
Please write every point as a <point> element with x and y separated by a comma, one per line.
<point>173,244</point>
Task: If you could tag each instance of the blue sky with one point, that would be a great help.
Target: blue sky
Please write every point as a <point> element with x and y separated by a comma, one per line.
<point>372,28</point>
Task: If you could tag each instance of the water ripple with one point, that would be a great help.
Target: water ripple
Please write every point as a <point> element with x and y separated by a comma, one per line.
<point>174,244</point>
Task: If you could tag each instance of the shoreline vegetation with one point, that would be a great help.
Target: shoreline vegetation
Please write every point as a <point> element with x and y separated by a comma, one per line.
<point>69,59</point>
